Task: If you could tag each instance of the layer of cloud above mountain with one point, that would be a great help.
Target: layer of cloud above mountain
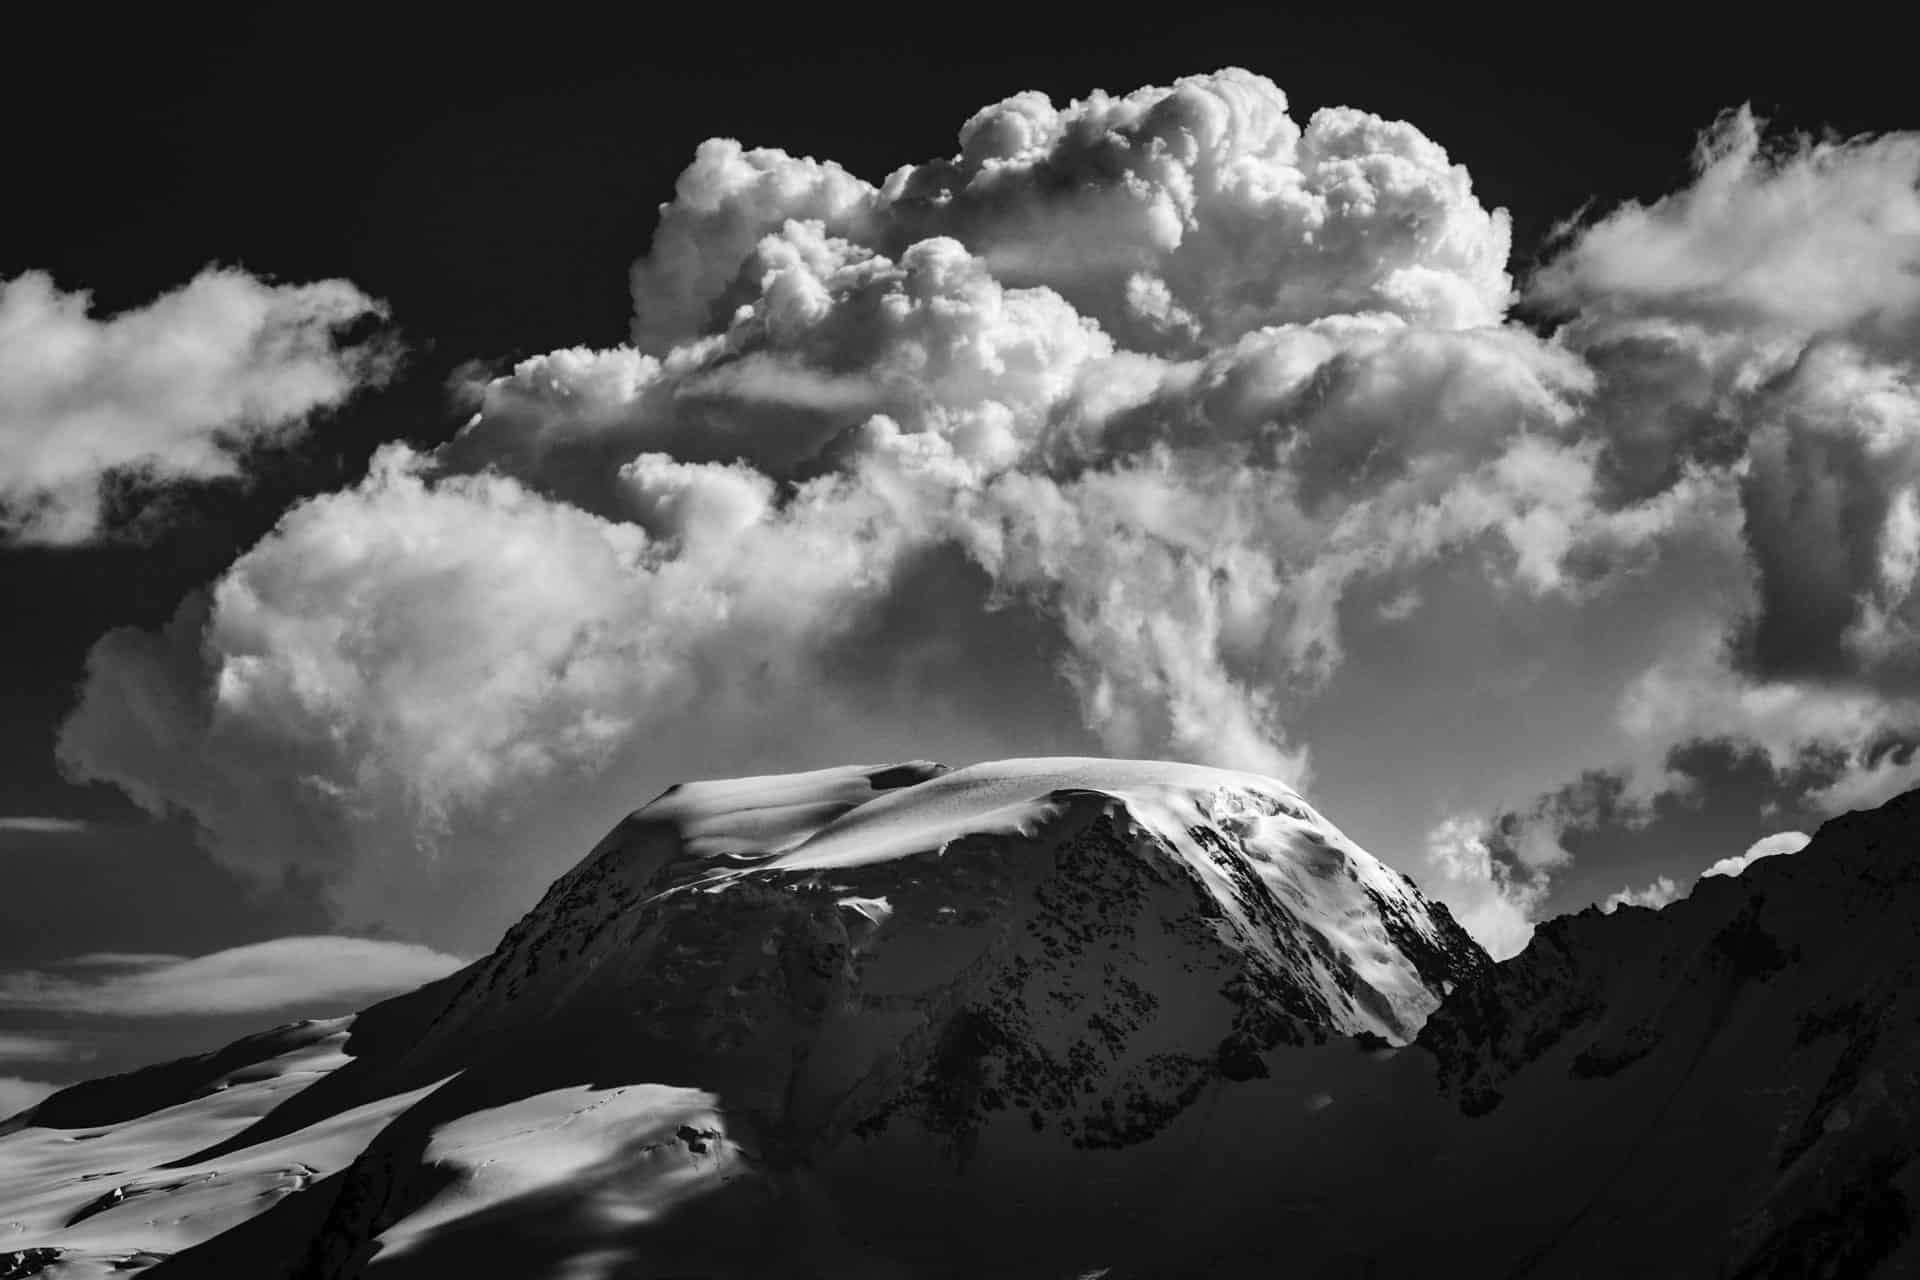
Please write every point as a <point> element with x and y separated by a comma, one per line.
<point>22,1047</point>
<point>281,974</point>
<point>179,389</point>
<point>1161,424</point>
<point>34,825</point>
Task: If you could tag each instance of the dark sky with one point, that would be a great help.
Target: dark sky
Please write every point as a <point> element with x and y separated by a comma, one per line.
<point>492,179</point>
<point>492,183</point>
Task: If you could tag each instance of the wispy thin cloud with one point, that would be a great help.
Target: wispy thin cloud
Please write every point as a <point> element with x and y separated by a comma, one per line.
<point>40,826</point>
<point>26,1047</point>
<point>122,960</point>
<point>283,973</point>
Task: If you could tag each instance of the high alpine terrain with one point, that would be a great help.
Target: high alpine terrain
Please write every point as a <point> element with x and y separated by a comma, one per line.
<point>1049,1018</point>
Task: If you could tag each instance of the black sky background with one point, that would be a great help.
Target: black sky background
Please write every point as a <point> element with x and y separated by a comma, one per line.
<point>493,178</point>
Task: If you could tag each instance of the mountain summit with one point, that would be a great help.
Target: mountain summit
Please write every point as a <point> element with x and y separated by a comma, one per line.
<point>821,985</point>
<point>1041,1018</point>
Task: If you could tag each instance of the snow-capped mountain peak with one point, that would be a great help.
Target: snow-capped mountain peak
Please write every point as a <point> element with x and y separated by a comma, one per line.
<point>875,865</point>
<point>845,976</point>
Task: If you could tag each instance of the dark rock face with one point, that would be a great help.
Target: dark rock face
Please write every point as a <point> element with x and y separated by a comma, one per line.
<point>1055,1033</point>
<point>1508,1015</point>
<point>1760,1038</point>
<point>22,1263</point>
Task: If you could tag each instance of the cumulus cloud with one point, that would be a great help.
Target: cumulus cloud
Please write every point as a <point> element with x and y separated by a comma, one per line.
<point>1833,520</point>
<point>285,973</point>
<point>1158,424</point>
<point>179,389</point>
<point>1177,217</point>
<point>1776,845</point>
<point>1826,738</point>
<point>1762,322</point>
<point>1756,329</point>
<point>1865,779</point>
<point>1495,900</point>
<point>1596,799</point>
<point>1496,874</point>
<point>1654,896</point>
<point>1802,235</point>
<point>410,652</point>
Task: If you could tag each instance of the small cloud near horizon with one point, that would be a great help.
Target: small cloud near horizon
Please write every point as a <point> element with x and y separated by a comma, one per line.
<point>27,1047</point>
<point>1776,845</point>
<point>279,974</point>
<point>1662,892</point>
<point>16,1095</point>
<point>122,960</point>
<point>33,824</point>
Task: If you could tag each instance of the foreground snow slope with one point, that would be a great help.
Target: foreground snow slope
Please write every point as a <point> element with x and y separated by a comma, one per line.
<point>112,1197</point>
<point>1041,1018</point>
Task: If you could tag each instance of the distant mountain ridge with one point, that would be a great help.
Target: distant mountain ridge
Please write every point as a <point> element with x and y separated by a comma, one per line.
<point>1043,1018</point>
<point>1761,1035</point>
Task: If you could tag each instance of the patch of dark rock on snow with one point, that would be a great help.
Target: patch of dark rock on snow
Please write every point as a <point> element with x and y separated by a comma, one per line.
<point>21,1263</point>
<point>896,776</point>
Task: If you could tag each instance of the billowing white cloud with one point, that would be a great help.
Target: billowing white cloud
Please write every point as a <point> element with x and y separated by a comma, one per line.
<point>1830,497</point>
<point>1760,326</point>
<point>285,973</point>
<point>616,538</point>
<point>411,652</point>
<point>1866,780</point>
<point>1773,846</point>
<point>1179,218</point>
<point>1156,424</point>
<point>832,336</point>
<point>1495,901</point>
<point>179,389</point>
<point>1695,691</point>
<point>1661,892</point>
<point>1496,875</point>
<point>1804,236</point>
